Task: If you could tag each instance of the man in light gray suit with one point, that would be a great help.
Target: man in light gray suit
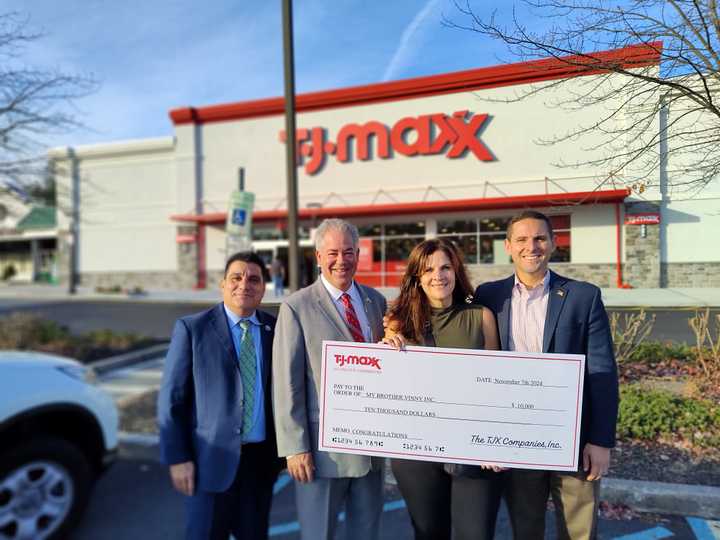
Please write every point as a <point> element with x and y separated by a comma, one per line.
<point>333,308</point>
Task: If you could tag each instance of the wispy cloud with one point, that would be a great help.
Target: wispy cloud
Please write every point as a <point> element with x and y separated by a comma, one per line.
<point>408,40</point>
<point>155,57</point>
<point>150,57</point>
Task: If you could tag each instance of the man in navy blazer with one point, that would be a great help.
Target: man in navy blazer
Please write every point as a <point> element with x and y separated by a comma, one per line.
<point>214,409</point>
<point>538,310</point>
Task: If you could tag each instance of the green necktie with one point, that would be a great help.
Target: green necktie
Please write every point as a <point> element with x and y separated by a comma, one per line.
<point>248,374</point>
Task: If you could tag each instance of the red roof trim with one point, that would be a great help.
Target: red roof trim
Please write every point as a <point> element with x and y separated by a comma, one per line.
<point>634,56</point>
<point>496,203</point>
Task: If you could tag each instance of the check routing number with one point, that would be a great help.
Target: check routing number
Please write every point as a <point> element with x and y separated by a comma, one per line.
<point>519,410</point>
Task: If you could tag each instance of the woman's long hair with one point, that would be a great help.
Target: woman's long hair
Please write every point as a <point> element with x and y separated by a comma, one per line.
<point>409,314</point>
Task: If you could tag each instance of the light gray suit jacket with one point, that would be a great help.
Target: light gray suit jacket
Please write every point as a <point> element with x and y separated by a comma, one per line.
<point>306,318</point>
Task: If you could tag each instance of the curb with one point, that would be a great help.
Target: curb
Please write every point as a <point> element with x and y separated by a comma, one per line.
<point>642,496</point>
<point>106,365</point>
<point>138,439</point>
<point>663,497</point>
<point>619,306</point>
<point>143,446</point>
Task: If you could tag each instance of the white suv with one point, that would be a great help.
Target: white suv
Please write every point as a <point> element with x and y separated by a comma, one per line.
<point>57,433</point>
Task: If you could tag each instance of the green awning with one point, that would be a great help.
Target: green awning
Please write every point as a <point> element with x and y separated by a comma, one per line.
<point>40,217</point>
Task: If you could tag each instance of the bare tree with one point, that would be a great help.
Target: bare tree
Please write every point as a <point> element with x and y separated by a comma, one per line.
<point>35,103</point>
<point>647,112</point>
<point>628,332</point>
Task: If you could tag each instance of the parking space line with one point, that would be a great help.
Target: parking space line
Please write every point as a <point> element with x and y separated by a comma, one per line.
<point>294,526</point>
<point>284,528</point>
<point>394,505</point>
<point>656,533</point>
<point>282,481</point>
<point>704,529</point>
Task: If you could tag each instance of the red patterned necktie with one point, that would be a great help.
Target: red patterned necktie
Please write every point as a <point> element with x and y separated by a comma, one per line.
<point>351,318</point>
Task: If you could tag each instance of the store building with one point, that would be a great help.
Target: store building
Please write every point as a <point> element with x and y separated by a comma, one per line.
<point>28,235</point>
<point>449,155</point>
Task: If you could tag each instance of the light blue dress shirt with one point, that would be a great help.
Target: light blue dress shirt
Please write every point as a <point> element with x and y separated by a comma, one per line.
<point>257,433</point>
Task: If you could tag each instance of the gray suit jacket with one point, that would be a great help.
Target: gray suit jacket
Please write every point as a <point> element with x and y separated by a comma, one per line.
<point>306,318</point>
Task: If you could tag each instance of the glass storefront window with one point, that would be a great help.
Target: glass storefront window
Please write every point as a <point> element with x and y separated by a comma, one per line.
<point>457,227</point>
<point>269,233</point>
<point>488,245</point>
<point>405,229</point>
<point>467,244</point>
<point>391,246</point>
<point>370,230</point>
<point>462,233</point>
<point>562,246</point>
<point>265,232</point>
<point>492,249</point>
<point>377,248</point>
<point>398,249</point>
<point>494,225</point>
<point>560,222</point>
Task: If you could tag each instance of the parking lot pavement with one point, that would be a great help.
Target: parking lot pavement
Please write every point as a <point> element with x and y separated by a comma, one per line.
<point>127,382</point>
<point>134,500</point>
<point>134,380</point>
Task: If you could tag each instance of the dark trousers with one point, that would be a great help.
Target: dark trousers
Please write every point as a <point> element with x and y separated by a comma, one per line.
<point>439,503</point>
<point>244,509</point>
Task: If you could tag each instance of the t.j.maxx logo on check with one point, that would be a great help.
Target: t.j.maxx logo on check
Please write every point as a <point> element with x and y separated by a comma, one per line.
<point>354,360</point>
<point>428,134</point>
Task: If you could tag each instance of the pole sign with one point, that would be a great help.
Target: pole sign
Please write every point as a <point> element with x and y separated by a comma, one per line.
<point>238,227</point>
<point>186,238</point>
<point>648,218</point>
<point>240,209</point>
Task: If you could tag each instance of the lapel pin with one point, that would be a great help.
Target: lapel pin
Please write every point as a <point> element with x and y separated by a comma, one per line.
<point>561,293</point>
<point>267,328</point>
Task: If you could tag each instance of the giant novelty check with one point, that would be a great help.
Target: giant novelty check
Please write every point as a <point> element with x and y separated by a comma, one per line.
<point>519,410</point>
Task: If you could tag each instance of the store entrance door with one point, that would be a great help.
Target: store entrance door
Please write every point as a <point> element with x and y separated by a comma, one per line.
<point>308,264</point>
<point>268,250</point>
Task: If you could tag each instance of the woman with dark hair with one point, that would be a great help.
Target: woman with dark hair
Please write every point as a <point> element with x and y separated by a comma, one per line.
<point>433,309</point>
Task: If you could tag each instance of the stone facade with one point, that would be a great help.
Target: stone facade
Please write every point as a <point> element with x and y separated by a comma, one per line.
<point>130,280</point>
<point>187,258</point>
<point>691,275</point>
<point>641,269</point>
<point>214,277</point>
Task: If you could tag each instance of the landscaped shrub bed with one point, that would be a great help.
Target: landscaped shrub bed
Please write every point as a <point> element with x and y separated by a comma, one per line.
<point>650,414</point>
<point>22,331</point>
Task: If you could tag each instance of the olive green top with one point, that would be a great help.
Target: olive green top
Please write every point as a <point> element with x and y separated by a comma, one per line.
<point>458,327</point>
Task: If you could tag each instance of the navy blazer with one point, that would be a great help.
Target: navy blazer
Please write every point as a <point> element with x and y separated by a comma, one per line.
<point>201,398</point>
<point>576,323</point>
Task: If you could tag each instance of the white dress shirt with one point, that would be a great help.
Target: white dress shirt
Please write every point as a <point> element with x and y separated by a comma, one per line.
<point>357,303</point>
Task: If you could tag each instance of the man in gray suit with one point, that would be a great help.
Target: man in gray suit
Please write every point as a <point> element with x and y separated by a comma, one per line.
<point>333,308</point>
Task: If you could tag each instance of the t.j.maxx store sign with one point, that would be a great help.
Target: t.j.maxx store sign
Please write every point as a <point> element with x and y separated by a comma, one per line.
<point>457,135</point>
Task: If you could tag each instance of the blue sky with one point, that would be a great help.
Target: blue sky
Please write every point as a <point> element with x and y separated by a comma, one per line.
<point>152,56</point>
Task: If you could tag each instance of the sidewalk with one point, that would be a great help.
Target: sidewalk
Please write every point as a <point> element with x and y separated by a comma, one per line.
<point>661,298</point>
<point>682,298</point>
